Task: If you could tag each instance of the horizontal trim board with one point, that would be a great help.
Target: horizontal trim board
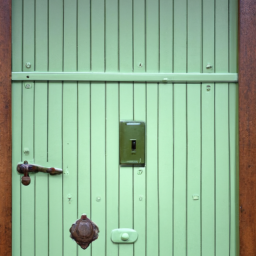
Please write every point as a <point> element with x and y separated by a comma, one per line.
<point>125,77</point>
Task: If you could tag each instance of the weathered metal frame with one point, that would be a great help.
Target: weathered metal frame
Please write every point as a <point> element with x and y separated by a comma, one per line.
<point>247,130</point>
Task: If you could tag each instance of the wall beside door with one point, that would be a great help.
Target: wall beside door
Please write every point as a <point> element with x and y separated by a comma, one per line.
<point>184,202</point>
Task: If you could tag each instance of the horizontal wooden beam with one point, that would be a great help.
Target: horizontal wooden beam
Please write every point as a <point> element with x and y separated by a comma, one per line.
<point>127,77</point>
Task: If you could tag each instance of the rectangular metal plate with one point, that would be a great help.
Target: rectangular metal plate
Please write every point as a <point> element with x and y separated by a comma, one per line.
<point>132,143</point>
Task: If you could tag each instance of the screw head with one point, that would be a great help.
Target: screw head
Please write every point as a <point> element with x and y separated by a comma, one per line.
<point>195,197</point>
<point>208,66</point>
<point>98,198</point>
<point>140,172</point>
<point>26,151</point>
<point>208,88</point>
<point>28,65</point>
<point>28,86</point>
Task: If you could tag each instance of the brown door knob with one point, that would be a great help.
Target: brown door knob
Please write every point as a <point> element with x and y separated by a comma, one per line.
<point>84,231</point>
<point>25,180</point>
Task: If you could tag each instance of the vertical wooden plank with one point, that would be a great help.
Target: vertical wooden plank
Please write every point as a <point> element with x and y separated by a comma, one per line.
<point>16,123</point>
<point>41,36</point>
<point>70,36</point>
<point>139,35</point>
<point>180,156</point>
<point>98,125</point>
<point>27,192</point>
<point>41,129</point>
<point>28,34</point>
<point>234,185</point>
<point>16,158</point>
<point>180,36</point>
<point>55,130</point>
<point>98,199</point>
<point>55,159</point>
<point>221,130</point>
<point>152,170</point>
<point>166,35</point>
<point>165,168</point>
<point>41,179</point>
<point>56,35</point>
<point>233,126</point>
<point>140,178</point>
<point>233,35</point>
<point>69,164</point>
<point>194,64</point>
<point>126,90</point>
<point>97,35</point>
<point>194,58</point>
<point>193,169</point>
<point>17,39</point>
<point>208,36</point>
<point>208,170</point>
<point>222,169</point>
<point>69,126</point>
<point>111,36</point>
<point>125,36</point>
<point>180,171</point>
<point>84,154</point>
<point>152,36</point>
<point>221,36</point>
<point>83,35</point>
<point>112,164</point>
<point>112,125</point>
<point>247,133</point>
<point>126,173</point>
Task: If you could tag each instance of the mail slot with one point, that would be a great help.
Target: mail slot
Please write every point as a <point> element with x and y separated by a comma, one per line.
<point>132,143</point>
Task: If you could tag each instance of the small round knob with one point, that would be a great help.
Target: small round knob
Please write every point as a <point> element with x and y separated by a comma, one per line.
<point>125,236</point>
<point>84,217</point>
<point>25,180</point>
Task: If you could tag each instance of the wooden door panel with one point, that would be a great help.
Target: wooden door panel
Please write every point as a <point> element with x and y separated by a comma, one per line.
<point>191,128</point>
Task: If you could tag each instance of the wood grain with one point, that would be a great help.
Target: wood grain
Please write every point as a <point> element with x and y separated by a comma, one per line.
<point>247,123</point>
<point>5,130</point>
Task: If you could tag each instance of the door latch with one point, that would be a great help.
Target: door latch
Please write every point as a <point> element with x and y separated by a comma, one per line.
<point>26,168</point>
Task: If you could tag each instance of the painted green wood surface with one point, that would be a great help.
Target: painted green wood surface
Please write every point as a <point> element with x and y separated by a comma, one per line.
<point>191,129</point>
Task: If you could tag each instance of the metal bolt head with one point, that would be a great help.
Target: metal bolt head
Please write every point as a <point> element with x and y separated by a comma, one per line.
<point>98,198</point>
<point>208,87</point>
<point>195,197</point>
<point>28,86</point>
<point>140,172</point>
<point>26,151</point>
<point>208,66</point>
<point>28,65</point>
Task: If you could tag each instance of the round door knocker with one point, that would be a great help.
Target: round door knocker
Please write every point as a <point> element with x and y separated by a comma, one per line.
<point>84,231</point>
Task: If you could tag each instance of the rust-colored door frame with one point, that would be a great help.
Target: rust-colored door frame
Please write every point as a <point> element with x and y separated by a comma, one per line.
<point>247,127</point>
<point>5,130</point>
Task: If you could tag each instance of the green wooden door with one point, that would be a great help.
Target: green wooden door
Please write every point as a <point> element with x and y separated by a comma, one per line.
<point>184,202</point>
